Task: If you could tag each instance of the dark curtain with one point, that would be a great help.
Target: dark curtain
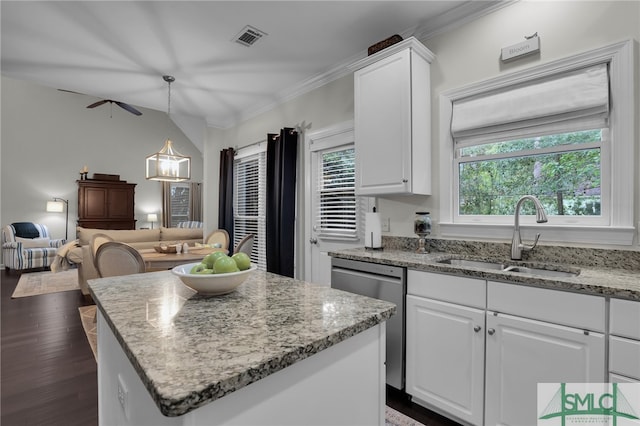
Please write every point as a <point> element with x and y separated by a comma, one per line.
<point>225,201</point>
<point>282,154</point>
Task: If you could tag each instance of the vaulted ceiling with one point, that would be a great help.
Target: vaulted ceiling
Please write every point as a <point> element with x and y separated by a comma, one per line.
<point>120,50</point>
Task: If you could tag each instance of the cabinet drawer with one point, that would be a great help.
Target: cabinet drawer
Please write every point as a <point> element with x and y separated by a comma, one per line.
<point>624,357</point>
<point>625,318</point>
<point>448,288</point>
<point>559,307</point>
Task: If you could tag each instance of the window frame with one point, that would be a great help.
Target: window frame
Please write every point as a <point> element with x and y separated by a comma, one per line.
<point>250,153</point>
<point>618,229</point>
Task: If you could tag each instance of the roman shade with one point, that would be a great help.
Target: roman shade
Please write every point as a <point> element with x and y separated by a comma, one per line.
<point>578,94</point>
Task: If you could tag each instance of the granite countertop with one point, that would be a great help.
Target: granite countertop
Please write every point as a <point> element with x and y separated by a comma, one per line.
<point>619,283</point>
<point>190,350</point>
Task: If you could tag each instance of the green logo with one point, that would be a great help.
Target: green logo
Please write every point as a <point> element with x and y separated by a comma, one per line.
<point>594,402</point>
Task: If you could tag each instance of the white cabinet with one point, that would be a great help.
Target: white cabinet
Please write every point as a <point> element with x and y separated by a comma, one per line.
<point>624,341</point>
<point>476,350</point>
<point>392,115</point>
<point>445,344</point>
<point>522,352</point>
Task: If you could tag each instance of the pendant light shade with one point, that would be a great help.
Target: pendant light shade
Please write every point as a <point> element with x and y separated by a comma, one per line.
<point>168,164</point>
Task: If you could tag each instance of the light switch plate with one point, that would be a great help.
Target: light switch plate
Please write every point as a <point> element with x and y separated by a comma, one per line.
<point>386,224</point>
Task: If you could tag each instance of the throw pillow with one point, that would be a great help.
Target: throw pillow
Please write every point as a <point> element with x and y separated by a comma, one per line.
<point>33,242</point>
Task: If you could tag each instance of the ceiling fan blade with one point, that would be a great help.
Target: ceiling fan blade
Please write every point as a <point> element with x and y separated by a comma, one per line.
<point>104,101</point>
<point>127,107</point>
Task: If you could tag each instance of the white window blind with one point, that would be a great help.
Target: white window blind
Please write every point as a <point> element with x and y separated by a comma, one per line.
<point>337,213</point>
<point>579,94</point>
<point>249,201</point>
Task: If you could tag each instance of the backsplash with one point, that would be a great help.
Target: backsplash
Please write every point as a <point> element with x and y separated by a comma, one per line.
<point>592,257</point>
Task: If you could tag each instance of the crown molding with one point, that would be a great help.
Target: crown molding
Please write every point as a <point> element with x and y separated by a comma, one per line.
<point>447,21</point>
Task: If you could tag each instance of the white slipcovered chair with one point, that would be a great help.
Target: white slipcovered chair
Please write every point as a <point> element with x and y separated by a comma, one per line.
<point>27,245</point>
<point>114,259</point>
<point>245,245</point>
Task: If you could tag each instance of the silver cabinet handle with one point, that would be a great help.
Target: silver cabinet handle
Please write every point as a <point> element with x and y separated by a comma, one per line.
<point>491,331</point>
<point>313,240</point>
<point>405,180</point>
<point>477,328</point>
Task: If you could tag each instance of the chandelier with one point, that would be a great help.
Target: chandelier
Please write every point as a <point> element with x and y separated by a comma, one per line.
<point>168,164</point>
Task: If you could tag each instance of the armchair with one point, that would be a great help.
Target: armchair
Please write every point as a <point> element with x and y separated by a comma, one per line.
<point>27,245</point>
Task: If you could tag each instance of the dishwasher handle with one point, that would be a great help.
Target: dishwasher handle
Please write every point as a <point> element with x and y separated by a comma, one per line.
<point>363,274</point>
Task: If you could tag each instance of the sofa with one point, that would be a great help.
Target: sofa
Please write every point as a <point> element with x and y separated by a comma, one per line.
<point>27,245</point>
<point>139,239</point>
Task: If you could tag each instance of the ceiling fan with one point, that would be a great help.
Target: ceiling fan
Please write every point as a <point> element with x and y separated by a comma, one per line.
<point>122,105</point>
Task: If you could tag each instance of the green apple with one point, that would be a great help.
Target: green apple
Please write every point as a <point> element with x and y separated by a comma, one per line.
<point>242,260</point>
<point>225,264</point>
<point>211,258</point>
<point>205,271</point>
<point>198,268</point>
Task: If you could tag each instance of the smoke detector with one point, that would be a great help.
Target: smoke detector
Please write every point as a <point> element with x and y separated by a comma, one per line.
<point>249,36</point>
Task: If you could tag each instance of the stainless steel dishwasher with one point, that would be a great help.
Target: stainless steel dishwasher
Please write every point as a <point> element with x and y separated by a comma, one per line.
<point>385,283</point>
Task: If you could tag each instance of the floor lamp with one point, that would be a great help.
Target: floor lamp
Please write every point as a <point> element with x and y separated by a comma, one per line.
<point>57,206</point>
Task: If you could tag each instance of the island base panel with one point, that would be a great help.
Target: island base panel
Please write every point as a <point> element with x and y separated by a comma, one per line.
<point>342,385</point>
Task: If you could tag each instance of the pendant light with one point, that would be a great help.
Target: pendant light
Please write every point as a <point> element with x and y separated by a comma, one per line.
<point>168,164</point>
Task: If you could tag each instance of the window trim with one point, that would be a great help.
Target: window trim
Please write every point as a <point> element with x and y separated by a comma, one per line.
<point>620,230</point>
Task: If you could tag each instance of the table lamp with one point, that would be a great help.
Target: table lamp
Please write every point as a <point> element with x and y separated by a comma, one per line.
<point>151,218</point>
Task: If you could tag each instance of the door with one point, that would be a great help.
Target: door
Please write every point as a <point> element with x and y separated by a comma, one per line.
<point>334,215</point>
<point>522,353</point>
<point>445,357</point>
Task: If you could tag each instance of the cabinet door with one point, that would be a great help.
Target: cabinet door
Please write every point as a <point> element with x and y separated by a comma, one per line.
<point>522,353</point>
<point>445,357</point>
<point>120,205</point>
<point>94,203</point>
<point>383,126</point>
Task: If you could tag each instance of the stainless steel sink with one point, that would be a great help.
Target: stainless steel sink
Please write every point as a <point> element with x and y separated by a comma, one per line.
<point>541,271</point>
<point>503,267</point>
<point>466,263</point>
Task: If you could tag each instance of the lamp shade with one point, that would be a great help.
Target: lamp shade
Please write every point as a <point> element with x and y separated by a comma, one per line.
<point>55,206</point>
<point>152,217</point>
<point>168,165</point>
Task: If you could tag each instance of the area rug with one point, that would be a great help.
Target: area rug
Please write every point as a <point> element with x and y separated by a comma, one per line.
<point>87,316</point>
<point>396,418</point>
<point>88,313</point>
<point>35,283</point>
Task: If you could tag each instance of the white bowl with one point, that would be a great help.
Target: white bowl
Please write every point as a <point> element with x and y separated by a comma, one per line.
<point>211,284</point>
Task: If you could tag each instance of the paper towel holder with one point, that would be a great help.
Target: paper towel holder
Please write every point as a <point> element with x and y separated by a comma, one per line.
<point>373,231</point>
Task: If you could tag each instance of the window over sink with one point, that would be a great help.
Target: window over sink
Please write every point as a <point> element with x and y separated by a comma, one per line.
<point>561,131</point>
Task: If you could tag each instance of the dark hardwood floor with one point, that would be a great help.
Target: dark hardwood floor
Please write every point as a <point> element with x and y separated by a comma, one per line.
<point>49,375</point>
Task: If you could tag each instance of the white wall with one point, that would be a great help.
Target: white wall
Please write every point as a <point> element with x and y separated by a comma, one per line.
<point>464,55</point>
<point>48,136</point>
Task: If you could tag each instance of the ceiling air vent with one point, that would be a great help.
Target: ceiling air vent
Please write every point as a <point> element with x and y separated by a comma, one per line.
<point>249,36</point>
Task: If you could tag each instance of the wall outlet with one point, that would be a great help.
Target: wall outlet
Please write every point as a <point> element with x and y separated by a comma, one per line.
<point>386,224</point>
<point>123,396</point>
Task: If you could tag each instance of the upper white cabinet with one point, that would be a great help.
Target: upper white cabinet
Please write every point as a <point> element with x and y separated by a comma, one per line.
<point>393,120</point>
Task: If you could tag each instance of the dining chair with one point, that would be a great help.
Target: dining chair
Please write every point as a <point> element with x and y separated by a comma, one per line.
<point>245,245</point>
<point>96,241</point>
<point>114,259</point>
<point>218,236</point>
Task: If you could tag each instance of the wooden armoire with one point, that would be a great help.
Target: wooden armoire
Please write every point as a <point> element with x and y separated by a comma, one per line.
<point>106,204</point>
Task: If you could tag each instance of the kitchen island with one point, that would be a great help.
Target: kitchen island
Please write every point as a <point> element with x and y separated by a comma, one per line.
<point>275,351</point>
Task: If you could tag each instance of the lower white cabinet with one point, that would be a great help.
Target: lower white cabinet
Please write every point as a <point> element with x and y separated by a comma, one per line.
<point>522,353</point>
<point>477,355</point>
<point>624,341</point>
<point>445,357</point>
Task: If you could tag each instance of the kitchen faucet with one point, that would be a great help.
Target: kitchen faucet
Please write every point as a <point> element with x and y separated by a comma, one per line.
<point>517,247</point>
